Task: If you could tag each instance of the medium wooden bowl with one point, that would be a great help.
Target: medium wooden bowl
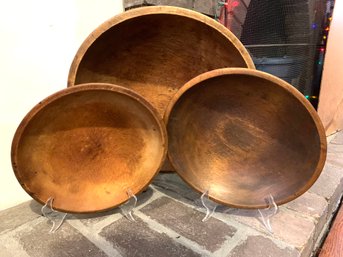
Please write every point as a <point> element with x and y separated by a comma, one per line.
<point>155,51</point>
<point>87,146</point>
<point>243,135</point>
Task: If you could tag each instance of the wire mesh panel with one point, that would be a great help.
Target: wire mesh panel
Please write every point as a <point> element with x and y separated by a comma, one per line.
<point>286,38</point>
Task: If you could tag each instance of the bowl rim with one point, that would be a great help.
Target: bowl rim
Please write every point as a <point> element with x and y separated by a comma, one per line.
<point>77,89</point>
<point>154,10</point>
<point>279,82</point>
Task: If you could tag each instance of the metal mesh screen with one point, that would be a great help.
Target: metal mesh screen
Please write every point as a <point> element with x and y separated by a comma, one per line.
<point>286,38</point>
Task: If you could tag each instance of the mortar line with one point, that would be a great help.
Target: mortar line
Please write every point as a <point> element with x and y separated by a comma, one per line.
<point>105,222</point>
<point>156,195</point>
<point>95,238</point>
<point>238,238</point>
<point>23,226</point>
<point>227,219</point>
<point>156,226</point>
<point>217,215</point>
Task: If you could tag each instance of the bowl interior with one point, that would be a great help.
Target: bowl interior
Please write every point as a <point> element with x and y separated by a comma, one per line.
<point>87,148</point>
<point>244,137</point>
<point>155,53</point>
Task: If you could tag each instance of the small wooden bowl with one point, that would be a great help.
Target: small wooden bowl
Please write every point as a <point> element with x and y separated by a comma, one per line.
<point>243,135</point>
<point>155,51</point>
<point>87,146</point>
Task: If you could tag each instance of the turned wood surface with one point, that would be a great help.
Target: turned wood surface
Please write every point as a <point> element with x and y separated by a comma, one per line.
<point>333,245</point>
<point>243,134</point>
<point>155,51</point>
<point>86,146</point>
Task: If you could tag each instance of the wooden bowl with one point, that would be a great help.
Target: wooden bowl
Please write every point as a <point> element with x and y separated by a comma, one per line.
<point>243,135</point>
<point>86,146</point>
<point>155,51</point>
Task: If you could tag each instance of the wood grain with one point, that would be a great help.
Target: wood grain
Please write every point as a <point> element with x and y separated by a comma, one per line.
<point>155,51</point>
<point>243,134</point>
<point>87,145</point>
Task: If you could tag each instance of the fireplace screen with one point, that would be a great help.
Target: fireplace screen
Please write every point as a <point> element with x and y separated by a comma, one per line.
<point>286,38</point>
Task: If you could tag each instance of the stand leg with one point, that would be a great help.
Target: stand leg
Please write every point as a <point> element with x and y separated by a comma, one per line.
<point>209,205</point>
<point>268,213</point>
<point>127,208</point>
<point>52,215</point>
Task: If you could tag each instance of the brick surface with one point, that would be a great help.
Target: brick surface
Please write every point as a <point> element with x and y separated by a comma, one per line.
<point>328,182</point>
<point>314,206</point>
<point>18,215</point>
<point>335,158</point>
<point>171,182</point>
<point>66,242</point>
<point>180,3</point>
<point>207,7</point>
<point>137,239</point>
<point>170,227</point>
<point>309,204</point>
<point>4,252</point>
<point>259,246</point>
<point>335,151</point>
<point>188,223</point>
<point>132,3</point>
<point>91,219</point>
<point>287,226</point>
<point>338,139</point>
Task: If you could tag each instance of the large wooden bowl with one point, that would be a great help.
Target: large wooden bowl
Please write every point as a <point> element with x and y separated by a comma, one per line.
<point>243,135</point>
<point>87,146</point>
<point>155,51</point>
